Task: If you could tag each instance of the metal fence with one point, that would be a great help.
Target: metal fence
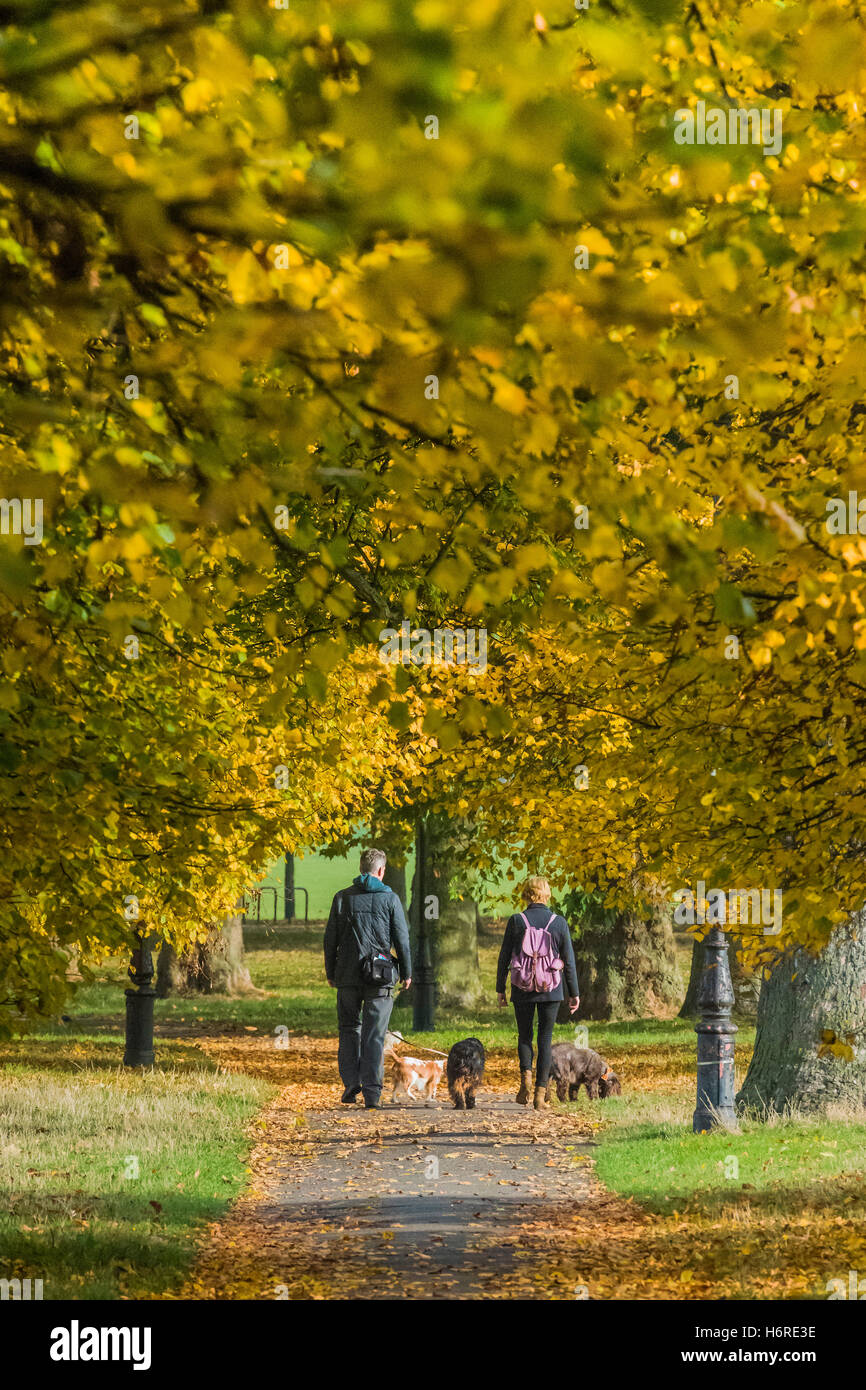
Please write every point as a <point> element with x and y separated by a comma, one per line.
<point>253,907</point>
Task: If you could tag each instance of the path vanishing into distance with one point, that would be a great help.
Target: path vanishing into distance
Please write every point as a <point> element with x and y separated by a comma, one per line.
<point>410,1201</point>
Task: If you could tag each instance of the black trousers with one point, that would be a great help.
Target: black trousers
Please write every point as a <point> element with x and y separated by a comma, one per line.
<point>524,1012</point>
<point>363,1016</point>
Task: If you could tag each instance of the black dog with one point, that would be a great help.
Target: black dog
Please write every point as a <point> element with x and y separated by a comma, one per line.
<point>573,1067</point>
<point>464,1069</point>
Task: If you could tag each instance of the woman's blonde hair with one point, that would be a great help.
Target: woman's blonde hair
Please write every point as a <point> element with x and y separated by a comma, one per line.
<point>536,890</point>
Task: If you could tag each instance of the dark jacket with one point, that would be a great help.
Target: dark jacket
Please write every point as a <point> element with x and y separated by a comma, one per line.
<point>537,915</point>
<point>363,918</point>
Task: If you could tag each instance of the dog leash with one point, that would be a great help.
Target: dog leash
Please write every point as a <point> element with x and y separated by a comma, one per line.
<point>422,1048</point>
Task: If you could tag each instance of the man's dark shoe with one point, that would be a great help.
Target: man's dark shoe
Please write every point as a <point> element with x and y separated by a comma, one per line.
<point>372,1103</point>
<point>350,1095</point>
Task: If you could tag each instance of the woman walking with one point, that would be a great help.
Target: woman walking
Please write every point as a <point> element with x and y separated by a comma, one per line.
<point>537,950</point>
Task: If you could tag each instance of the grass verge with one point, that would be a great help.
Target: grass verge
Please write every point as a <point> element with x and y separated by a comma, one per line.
<point>776,1211</point>
<point>651,1154</point>
<point>107,1176</point>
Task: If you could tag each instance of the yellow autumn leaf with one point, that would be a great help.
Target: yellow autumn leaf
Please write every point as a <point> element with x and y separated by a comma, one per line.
<point>197,95</point>
<point>508,396</point>
<point>248,281</point>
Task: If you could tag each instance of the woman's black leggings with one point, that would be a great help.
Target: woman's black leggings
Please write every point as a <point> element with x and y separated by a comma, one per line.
<point>525,1014</point>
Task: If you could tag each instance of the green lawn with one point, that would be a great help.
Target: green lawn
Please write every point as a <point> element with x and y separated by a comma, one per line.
<point>285,962</point>
<point>107,1176</point>
<point>651,1154</point>
<point>322,877</point>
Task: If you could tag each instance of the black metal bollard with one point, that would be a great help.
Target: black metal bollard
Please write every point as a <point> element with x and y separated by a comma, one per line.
<point>289,887</point>
<point>715,1106</point>
<point>139,1007</point>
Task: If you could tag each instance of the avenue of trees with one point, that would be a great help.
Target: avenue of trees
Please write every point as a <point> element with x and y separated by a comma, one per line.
<point>318,320</point>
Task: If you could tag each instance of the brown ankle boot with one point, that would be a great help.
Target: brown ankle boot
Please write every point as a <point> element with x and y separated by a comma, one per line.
<point>522,1096</point>
<point>540,1102</point>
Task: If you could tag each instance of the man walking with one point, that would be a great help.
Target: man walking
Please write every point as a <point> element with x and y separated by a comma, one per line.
<point>365,922</point>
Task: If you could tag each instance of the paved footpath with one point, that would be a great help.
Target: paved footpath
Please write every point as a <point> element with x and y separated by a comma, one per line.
<point>427,1199</point>
<point>405,1202</point>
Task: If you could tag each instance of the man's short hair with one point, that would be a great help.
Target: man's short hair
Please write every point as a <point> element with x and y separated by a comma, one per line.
<point>372,860</point>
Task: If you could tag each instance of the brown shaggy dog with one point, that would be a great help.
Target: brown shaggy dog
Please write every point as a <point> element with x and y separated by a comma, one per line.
<point>573,1067</point>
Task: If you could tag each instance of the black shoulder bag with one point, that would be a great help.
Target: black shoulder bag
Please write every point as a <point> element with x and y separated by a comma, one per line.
<point>379,970</point>
<point>378,967</point>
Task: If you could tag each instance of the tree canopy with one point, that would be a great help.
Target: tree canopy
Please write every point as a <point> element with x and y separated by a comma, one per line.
<point>316,319</point>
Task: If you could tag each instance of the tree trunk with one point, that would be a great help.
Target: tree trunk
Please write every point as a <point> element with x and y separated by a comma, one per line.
<point>395,878</point>
<point>809,1050</point>
<point>215,966</point>
<point>450,919</point>
<point>627,969</point>
<point>456,954</point>
<point>690,1003</point>
<point>746,983</point>
<point>169,976</point>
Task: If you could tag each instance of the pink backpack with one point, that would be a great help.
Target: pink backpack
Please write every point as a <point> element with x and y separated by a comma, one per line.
<point>535,968</point>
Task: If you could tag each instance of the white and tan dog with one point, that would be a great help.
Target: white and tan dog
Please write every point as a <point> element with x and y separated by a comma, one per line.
<point>418,1077</point>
